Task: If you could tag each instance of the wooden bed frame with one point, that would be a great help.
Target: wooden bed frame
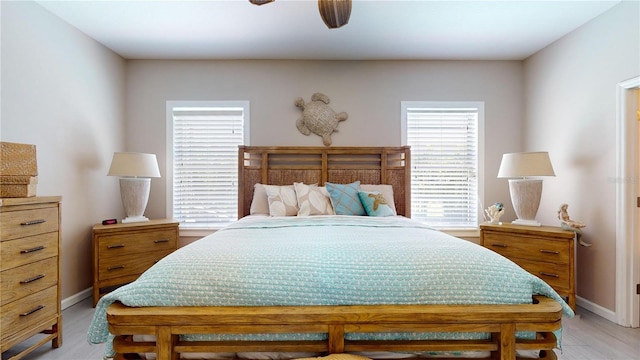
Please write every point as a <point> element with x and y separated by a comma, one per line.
<point>370,165</point>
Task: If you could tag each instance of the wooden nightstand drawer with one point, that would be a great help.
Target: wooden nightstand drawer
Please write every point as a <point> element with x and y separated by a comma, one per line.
<point>18,224</point>
<point>556,275</point>
<point>27,250</point>
<point>117,245</point>
<point>29,311</point>
<point>528,247</point>
<point>28,279</point>
<point>122,252</point>
<point>133,264</point>
<point>545,251</point>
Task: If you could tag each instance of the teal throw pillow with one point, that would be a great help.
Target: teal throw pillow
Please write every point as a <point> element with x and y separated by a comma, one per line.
<point>375,204</point>
<point>345,199</point>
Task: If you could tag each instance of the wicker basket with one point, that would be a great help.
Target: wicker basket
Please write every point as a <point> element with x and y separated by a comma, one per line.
<point>18,159</point>
<point>18,186</point>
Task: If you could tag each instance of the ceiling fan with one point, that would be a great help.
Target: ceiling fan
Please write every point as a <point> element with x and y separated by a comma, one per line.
<point>334,13</point>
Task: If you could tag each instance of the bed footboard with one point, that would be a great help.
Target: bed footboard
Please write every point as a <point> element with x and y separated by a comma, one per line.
<point>502,321</point>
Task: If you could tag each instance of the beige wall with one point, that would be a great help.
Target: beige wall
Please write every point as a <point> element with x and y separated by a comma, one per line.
<point>571,112</point>
<point>63,92</point>
<point>369,91</point>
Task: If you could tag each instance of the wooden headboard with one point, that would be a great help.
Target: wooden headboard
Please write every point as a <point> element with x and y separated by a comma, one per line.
<point>284,165</point>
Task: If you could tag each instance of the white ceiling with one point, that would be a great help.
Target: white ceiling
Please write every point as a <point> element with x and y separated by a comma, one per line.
<point>293,29</point>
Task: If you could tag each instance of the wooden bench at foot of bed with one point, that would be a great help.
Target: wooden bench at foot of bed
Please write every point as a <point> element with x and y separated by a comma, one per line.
<point>502,321</point>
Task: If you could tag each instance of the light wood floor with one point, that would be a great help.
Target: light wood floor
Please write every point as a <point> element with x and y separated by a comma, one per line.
<point>585,337</point>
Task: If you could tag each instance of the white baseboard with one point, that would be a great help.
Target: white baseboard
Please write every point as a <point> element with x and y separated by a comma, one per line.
<point>597,309</point>
<point>76,298</point>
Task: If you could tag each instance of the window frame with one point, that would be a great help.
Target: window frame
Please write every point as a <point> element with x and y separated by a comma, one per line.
<point>480,106</point>
<point>170,105</point>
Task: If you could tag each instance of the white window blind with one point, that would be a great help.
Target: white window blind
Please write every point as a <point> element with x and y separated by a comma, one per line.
<point>204,150</point>
<point>444,159</point>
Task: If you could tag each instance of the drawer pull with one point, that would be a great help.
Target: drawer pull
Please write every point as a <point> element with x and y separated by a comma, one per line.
<point>32,279</point>
<point>161,241</point>
<point>117,267</point>
<point>37,248</point>
<point>549,252</point>
<point>115,246</point>
<point>499,245</point>
<point>549,274</point>
<point>33,222</point>
<point>37,308</point>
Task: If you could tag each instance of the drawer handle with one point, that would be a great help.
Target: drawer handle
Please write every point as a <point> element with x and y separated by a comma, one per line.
<point>549,274</point>
<point>33,222</point>
<point>161,241</point>
<point>37,248</point>
<point>499,245</point>
<point>32,279</point>
<point>115,246</point>
<point>37,308</point>
<point>549,252</point>
<point>117,267</point>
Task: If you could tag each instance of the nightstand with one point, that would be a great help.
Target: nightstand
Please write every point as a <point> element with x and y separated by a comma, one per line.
<point>122,252</point>
<point>545,251</point>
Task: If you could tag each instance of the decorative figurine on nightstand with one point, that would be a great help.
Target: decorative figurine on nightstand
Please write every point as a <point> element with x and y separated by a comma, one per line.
<point>568,224</point>
<point>494,212</point>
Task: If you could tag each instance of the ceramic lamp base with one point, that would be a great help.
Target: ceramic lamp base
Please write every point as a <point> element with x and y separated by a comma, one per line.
<point>526,222</point>
<point>525,197</point>
<point>132,219</point>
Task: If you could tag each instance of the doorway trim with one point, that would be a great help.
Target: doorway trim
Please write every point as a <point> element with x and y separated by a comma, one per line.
<point>627,242</point>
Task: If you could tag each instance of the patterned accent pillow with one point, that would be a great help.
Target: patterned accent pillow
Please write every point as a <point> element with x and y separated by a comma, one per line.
<point>375,204</point>
<point>344,198</point>
<point>282,200</point>
<point>313,200</point>
<point>384,189</point>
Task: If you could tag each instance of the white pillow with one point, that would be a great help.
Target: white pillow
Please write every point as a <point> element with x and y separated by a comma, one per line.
<point>282,200</point>
<point>386,191</point>
<point>260,202</point>
<point>313,200</point>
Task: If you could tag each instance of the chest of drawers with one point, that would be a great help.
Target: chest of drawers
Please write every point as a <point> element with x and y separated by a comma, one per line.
<point>122,252</point>
<point>545,251</point>
<point>30,277</point>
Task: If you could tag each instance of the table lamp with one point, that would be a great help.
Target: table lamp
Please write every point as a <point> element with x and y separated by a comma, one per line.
<point>525,192</point>
<point>135,171</point>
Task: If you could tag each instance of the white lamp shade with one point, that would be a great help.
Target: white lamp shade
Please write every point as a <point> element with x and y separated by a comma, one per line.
<point>132,164</point>
<point>524,164</point>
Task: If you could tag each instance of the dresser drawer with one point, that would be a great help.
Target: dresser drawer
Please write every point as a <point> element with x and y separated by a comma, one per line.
<point>29,311</point>
<point>528,247</point>
<point>117,245</point>
<point>23,223</point>
<point>27,250</point>
<point>28,279</point>
<point>556,275</point>
<point>127,265</point>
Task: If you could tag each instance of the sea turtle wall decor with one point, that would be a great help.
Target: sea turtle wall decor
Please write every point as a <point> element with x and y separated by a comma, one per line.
<point>318,118</point>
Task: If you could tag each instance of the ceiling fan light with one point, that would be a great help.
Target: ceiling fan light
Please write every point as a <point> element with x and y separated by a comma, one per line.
<point>260,2</point>
<point>335,13</point>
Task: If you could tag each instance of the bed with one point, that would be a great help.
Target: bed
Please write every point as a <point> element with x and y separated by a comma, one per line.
<point>336,286</point>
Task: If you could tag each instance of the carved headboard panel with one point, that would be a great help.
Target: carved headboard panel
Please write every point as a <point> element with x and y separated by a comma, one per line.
<point>284,165</point>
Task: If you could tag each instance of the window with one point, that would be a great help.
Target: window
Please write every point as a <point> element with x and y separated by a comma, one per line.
<point>446,159</point>
<point>202,161</point>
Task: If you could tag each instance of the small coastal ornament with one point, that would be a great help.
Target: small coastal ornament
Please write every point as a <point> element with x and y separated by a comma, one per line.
<point>318,117</point>
<point>494,212</point>
<point>568,224</point>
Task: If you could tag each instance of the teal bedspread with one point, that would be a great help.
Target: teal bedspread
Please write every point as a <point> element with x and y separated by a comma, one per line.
<point>326,260</point>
